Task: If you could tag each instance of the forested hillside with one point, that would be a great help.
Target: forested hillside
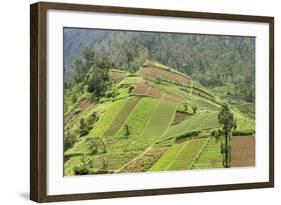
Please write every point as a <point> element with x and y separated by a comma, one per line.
<point>225,64</point>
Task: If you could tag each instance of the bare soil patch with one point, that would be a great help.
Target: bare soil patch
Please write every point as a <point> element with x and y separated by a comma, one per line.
<point>154,72</point>
<point>172,99</point>
<point>179,117</point>
<point>83,105</point>
<point>117,76</point>
<point>243,151</point>
<point>155,93</point>
<point>141,89</point>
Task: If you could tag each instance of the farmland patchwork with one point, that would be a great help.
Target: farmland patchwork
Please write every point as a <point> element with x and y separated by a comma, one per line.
<point>154,119</point>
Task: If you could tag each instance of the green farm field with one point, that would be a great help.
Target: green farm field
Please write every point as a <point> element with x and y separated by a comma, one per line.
<point>125,113</point>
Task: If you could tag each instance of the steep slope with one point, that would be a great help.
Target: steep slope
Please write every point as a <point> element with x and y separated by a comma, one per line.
<point>136,122</point>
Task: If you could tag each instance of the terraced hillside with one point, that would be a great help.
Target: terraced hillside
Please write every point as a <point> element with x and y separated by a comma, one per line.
<point>155,119</point>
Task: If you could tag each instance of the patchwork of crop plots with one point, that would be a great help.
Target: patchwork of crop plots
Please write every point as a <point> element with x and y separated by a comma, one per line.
<point>145,161</point>
<point>198,122</point>
<point>107,118</point>
<point>210,157</point>
<point>146,122</point>
<point>160,120</point>
<point>139,116</point>
<point>167,75</point>
<point>203,103</point>
<point>180,156</point>
<point>121,117</point>
<point>112,161</point>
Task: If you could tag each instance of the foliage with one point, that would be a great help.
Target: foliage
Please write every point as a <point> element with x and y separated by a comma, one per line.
<point>210,59</point>
<point>92,119</point>
<point>80,170</point>
<point>69,140</point>
<point>243,132</point>
<point>98,79</point>
<point>84,130</point>
<point>226,119</point>
<point>194,108</point>
<point>188,134</point>
<point>126,130</point>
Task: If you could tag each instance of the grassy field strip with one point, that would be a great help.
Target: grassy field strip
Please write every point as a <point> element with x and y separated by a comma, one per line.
<point>137,157</point>
<point>203,103</point>
<point>129,116</point>
<point>177,155</point>
<point>171,121</point>
<point>147,122</point>
<point>199,153</point>
<point>210,157</point>
<point>201,121</point>
<point>121,117</point>
<point>201,124</point>
<point>107,118</point>
<point>160,120</point>
<point>139,117</point>
<point>169,156</point>
<point>185,158</point>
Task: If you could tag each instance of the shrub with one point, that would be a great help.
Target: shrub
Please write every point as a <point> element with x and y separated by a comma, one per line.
<point>243,132</point>
<point>80,170</point>
<point>74,99</point>
<point>91,120</point>
<point>69,139</point>
<point>188,134</point>
<point>110,93</point>
<point>84,130</point>
<point>194,108</point>
<point>68,143</point>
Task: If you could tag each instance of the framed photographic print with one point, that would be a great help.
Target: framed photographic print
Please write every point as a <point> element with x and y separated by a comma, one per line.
<point>134,102</point>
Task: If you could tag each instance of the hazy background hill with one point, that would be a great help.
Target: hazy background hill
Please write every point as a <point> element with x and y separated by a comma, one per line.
<point>225,64</point>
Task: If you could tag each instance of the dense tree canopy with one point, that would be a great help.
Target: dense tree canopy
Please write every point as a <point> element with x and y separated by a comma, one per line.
<point>210,59</point>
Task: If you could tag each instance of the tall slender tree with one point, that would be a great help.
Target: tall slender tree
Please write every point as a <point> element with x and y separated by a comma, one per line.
<point>228,123</point>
